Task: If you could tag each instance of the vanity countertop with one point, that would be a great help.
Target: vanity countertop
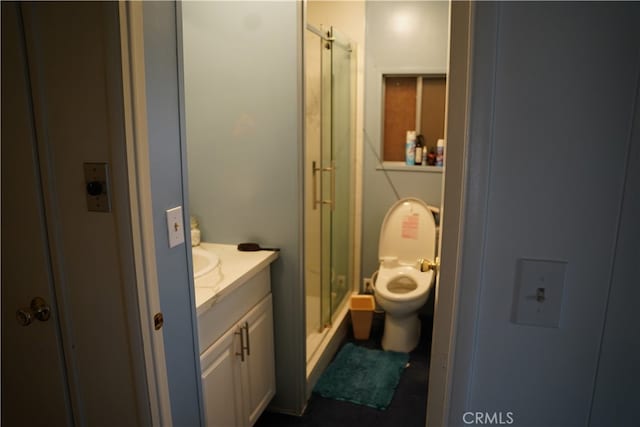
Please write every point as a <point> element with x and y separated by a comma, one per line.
<point>234,270</point>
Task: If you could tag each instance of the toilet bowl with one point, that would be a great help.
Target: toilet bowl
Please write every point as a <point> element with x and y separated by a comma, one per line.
<point>407,240</point>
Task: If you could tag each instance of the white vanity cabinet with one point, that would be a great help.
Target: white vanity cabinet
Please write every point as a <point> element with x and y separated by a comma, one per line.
<point>235,336</point>
<point>238,369</point>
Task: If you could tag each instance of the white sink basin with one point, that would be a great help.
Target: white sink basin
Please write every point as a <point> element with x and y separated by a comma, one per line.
<point>203,262</point>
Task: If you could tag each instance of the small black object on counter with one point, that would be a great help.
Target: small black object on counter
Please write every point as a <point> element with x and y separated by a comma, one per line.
<point>253,247</point>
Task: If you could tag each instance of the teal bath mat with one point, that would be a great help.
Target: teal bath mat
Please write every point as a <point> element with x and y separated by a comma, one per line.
<point>363,376</point>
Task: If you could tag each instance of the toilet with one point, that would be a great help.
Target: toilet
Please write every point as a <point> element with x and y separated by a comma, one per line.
<point>407,244</point>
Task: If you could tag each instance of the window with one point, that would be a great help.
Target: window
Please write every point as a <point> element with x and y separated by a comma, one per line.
<point>412,102</point>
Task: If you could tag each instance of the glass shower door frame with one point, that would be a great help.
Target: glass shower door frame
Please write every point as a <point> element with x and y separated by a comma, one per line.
<point>341,163</point>
<point>326,188</point>
<point>336,183</point>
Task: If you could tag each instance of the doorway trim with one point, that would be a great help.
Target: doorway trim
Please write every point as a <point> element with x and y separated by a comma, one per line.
<point>452,220</point>
<point>141,208</point>
<point>470,123</point>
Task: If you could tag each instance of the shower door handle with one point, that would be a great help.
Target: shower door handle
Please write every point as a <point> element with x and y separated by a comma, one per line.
<point>314,171</point>
<point>332,170</point>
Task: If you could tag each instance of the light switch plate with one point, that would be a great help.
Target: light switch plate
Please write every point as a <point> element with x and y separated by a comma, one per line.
<point>175,226</point>
<point>539,290</point>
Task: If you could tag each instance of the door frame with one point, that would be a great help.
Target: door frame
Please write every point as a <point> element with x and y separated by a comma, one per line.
<point>469,128</point>
<point>136,140</point>
<point>453,205</point>
<point>453,334</point>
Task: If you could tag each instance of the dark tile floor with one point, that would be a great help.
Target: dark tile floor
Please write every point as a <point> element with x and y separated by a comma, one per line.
<point>407,409</point>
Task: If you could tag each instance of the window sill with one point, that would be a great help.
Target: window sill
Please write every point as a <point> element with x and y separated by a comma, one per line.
<point>403,167</point>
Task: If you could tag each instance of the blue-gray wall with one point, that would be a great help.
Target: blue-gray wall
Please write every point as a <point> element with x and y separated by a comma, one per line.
<point>165,156</point>
<point>401,37</point>
<point>244,150</point>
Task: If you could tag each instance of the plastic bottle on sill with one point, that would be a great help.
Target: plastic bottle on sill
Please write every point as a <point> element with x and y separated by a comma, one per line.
<point>410,148</point>
<point>440,153</point>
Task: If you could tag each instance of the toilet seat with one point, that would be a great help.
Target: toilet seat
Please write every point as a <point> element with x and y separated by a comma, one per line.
<point>410,283</point>
<point>408,233</point>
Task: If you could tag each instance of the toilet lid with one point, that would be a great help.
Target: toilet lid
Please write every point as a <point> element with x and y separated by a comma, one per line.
<point>408,232</point>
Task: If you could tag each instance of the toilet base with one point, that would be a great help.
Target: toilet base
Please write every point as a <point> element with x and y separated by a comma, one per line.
<point>401,334</point>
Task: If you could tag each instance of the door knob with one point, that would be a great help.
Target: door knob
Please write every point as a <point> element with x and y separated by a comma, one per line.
<point>39,309</point>
<point>24,317</point>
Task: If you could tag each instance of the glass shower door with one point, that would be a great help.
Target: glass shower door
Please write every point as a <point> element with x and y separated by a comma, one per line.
<point>341,151</point>
<point>328,179</point>
<point>335,171</point>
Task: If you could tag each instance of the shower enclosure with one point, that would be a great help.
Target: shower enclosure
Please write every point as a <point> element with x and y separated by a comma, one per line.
<point>329,182</point>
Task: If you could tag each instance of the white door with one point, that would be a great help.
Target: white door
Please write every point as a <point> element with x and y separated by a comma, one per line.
<point>61,112</point>
<point>34,387</point>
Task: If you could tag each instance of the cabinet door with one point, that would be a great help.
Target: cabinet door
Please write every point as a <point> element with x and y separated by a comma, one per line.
<point>221,379</point>
<point>258,370</point>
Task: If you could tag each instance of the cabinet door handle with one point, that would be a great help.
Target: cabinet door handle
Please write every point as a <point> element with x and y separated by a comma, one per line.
<point>246,330</point>
<point>244,341</point>
<point>241,354</point>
